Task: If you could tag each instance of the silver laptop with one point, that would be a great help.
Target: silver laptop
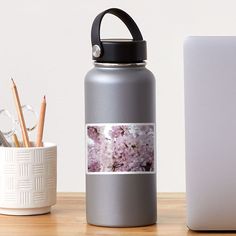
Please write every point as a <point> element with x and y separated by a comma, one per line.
<point>210,113</point>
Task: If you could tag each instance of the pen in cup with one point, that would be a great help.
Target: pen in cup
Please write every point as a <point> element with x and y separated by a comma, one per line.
<point>20,115</point>
<point>15,140</point>
<point>39,139</point>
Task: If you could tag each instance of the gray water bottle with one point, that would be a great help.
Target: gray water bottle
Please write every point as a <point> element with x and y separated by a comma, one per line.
<point>120,130</point>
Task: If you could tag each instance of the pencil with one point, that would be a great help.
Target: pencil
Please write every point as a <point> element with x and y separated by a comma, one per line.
<point>20,115</point>
<point>39,139</point>
<point>15,140</point>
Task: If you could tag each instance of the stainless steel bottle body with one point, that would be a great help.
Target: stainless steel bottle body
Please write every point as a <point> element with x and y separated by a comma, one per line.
<point>120,94</point>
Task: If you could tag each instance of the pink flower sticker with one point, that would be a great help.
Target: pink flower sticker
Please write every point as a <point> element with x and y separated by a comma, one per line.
<point>120,148</point>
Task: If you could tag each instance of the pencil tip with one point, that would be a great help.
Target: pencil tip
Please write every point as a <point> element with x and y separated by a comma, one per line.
<point>44,97</point>
<point>13,81</point>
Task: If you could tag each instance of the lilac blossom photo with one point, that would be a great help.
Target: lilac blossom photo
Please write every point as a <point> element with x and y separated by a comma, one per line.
<point>120,148</point>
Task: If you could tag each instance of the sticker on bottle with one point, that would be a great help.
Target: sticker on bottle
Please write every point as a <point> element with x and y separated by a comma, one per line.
<point>120,148</point>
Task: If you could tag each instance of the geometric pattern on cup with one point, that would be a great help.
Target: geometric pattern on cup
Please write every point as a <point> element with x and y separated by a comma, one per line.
<point>28,177</point>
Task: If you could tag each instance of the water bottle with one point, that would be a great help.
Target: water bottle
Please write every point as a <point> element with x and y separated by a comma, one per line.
<point>120,130</point>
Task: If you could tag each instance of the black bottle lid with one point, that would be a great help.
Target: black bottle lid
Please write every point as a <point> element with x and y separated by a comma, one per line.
<point>118,50</point>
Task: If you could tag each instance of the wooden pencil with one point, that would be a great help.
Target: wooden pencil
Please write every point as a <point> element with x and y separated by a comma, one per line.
<point>39,140</point>
<point>20,115</point>
<point>15,140</point>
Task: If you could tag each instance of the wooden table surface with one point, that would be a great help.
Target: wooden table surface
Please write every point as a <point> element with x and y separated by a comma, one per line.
<point>68,218</point>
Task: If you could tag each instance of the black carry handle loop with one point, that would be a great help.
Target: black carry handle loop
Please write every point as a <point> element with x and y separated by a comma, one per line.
<point>124,17</point>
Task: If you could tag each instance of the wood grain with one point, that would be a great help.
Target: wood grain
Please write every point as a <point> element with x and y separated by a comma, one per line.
<point>68,218</point>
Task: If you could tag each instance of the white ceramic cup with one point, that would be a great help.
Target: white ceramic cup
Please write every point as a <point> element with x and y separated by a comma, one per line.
<point>28,179</point>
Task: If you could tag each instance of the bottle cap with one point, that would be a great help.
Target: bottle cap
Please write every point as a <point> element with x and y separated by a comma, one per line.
<point>118,50</point>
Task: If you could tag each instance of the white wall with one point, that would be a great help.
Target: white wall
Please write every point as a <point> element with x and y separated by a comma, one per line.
<point>45,46</point>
